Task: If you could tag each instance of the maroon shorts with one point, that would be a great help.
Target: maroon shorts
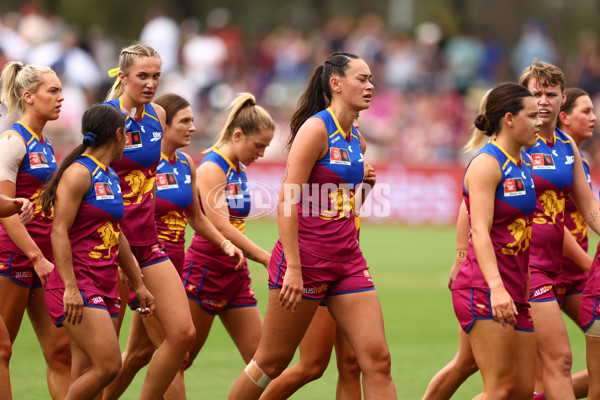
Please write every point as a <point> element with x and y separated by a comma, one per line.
<point>217,289</point>
<point>543,285</point>
<point>146,255</point>
<point>176,255</point>
<point>151,254</point>
<point>19,269</point>
<point>473,304</point>
<point>323,278</point>
<point>589,310</point>
<point>568,287</point>
<point>55,304</point>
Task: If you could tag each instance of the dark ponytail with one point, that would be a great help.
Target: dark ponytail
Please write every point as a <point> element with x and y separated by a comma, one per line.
<point>317,94</point>
<point>99,124</point>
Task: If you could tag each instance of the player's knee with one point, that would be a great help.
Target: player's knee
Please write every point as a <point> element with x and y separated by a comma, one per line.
<point>182,336</point>
<point>378,360</point>
<point>468,366</point>
<point>560,363</point>
<point>256,374</point>
<point>5,352</point>
<point>57,353</point>
<point>348,367</point>
<point>140,357</point>
<point>109,368</point>
<point>313,371</point>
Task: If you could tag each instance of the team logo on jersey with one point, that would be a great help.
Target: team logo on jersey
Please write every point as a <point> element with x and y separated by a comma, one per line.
<point>543,161</point>
<point>339,156</point>
<point>133,140</point>
<point>103,191</point>
<point>514,187</point>
<point>38,160</point>
<point>234,190</point>
<point>166,181</point>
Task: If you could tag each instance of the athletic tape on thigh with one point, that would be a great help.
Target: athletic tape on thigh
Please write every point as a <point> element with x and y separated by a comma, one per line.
<point>256,374</point>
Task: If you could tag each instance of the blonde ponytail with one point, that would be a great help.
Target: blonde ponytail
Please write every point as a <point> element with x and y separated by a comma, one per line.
<point>246,116</point>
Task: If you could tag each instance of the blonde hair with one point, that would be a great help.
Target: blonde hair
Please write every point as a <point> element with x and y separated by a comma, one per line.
<point>17,79</point>
<point>545,73</point>
<point>478,137</point>
<point>246,116</point>
<point>126,59</point>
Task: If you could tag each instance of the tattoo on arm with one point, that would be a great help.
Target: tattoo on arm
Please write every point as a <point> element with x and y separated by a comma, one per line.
<point>593,216</point>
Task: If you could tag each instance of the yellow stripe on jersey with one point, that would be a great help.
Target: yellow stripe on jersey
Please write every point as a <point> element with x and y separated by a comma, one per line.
<point>339,128</point>
<point>33,134</point>
<point>231,166</point>
<point>100,165</point>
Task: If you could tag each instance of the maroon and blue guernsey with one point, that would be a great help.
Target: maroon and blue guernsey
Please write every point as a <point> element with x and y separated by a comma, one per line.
<point>37,166</point>
<point>553,177</point>
<point>174,199</point>
<point>326,217</point>
<point>236,194</point>
<point>514,204</point>
<point>94,235</point>
<point>579,229</point>
<point>137,170</point>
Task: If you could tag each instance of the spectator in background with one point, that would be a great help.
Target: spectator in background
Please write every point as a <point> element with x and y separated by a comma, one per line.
<point>163,34</point>
<point>464,55</point>
<point>534,43</point>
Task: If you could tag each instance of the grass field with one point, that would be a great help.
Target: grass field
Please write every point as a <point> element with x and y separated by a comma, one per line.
<point>410,268</point>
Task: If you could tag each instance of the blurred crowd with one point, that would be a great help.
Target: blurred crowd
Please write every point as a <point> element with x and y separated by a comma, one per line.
<point>428,86</point>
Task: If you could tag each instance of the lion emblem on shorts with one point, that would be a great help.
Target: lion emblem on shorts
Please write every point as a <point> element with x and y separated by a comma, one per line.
<point>553,206</point>
<point>522,234</point>
<point>175,223</point>
<point>139,185</point>
<point>110,239</point>
<point>581,227</point>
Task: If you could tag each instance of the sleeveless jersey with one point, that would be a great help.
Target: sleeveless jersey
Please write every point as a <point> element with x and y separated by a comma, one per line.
<point>94,235</point>
<point>553,177</point>
<point>326,229</point>
<point>173,201</point>
<point>514,204</point>
<point>236,194</point>
<point>579,228</point>
<point>35,169</point>
<point>137,170</point>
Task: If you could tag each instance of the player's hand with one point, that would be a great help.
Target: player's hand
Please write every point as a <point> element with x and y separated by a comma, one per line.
<point>370,177</point>
<point>43,268</point>
<point>146,300</point>
<point>26,209</point>
<point>234,253</point>
<point>73,306</point>
<point>503,307</point>
<point>291,290</point>
<point>454,271</point>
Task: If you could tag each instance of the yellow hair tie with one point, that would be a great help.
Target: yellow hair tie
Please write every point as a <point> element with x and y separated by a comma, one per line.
<point>113,72</point>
